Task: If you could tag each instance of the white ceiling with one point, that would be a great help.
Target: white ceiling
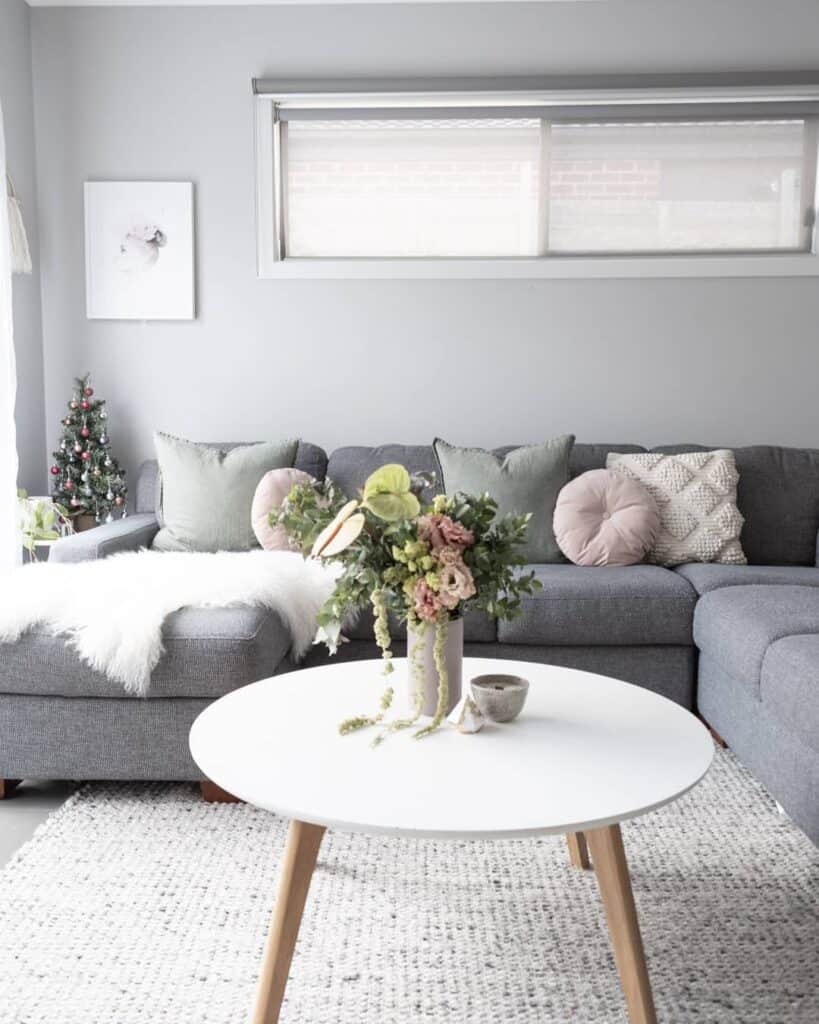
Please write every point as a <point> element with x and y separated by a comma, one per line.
<point>256,3</point>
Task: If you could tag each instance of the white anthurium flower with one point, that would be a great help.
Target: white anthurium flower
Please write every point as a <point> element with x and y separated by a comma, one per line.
<point>340,534</point>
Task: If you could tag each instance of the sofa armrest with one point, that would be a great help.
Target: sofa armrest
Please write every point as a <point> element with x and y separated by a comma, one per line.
<point>129,534</point>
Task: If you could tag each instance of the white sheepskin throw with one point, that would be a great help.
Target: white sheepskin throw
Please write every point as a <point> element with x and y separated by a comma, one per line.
<point>112,610</point>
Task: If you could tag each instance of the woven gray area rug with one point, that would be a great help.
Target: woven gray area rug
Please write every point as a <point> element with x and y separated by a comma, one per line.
<point>140,904</point>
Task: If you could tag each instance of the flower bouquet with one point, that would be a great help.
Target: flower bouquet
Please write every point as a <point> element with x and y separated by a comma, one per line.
<point>425,564</point>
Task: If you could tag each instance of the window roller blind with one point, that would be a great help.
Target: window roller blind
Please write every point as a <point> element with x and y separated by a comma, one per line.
<point>641,112</point>
<point>641,98</point>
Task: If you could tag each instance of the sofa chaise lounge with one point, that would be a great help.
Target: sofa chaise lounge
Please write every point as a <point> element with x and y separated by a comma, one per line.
<point>740,644</point>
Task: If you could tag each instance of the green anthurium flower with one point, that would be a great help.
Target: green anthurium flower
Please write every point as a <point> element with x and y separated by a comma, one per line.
<point>387,494</point>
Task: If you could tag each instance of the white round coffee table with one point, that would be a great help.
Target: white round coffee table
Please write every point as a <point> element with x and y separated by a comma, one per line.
<point>587,753</point>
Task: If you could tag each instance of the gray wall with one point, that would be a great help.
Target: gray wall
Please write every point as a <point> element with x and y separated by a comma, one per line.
<point>165,93</point>
<point>18,114</point>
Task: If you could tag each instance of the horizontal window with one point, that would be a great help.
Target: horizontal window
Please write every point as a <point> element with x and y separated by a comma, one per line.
<point>692,187</point>
<point>448,179</point>
<point>412,188</point>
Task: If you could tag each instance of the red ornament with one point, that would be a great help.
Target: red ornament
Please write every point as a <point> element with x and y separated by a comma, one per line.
<point>85,405</point>
<point>69,485</point>
<point>89,392</point>
<point>118,500</point>
<point>86,456</point>
<point>55,470</point>
<point>85,432</point>
<point>75,501</point>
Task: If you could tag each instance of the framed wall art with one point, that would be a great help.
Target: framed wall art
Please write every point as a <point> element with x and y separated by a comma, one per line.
<point>139,250</point>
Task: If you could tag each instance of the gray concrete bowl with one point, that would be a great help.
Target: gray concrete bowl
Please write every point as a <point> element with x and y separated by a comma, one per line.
<point>500,697</point>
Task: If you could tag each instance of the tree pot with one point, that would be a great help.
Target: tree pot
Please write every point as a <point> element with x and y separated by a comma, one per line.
<point>83,522</point>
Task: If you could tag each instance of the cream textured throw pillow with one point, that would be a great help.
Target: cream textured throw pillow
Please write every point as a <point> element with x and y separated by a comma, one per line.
<point>696,494</point>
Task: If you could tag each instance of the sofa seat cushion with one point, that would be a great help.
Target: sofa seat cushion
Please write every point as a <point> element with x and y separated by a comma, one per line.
<point>705,578</point>
<point>634,604</point>
<point>789,686</point>
<point>736,625</point>
<point>208,652</point>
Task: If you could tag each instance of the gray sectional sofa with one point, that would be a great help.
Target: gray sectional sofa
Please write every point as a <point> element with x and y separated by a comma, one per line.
<point>740,644</point>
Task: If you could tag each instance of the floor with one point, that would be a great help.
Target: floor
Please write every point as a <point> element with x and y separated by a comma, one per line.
<point>127,872</point>
<point>27,808</point>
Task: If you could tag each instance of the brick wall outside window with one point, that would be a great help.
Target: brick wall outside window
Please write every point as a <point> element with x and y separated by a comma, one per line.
<point>605,179</point>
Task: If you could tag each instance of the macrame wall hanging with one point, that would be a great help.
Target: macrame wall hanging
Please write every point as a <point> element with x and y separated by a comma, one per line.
<point>20,254</point>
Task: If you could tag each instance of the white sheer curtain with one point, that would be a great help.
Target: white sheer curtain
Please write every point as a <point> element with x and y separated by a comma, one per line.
<point>9,536</point>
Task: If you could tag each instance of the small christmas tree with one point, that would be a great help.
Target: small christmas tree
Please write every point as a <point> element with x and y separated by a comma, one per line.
<point>87,479</point>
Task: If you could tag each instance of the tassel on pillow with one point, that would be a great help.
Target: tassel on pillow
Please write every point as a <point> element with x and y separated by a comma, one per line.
<point>20,253</point>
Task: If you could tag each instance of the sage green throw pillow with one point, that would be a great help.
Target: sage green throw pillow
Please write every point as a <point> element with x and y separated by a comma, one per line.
<point>528,479</point>
<point>207,493</point>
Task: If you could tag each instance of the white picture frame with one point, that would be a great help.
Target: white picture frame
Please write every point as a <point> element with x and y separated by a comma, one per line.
<point>139,250</point>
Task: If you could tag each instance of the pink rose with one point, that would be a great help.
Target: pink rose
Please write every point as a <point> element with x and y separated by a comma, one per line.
<point>439,531</point>
<point>455,533</point>
<point>455,584</point>
<point>427,604</point>
<point>449,556</point>
<point>430,531</point>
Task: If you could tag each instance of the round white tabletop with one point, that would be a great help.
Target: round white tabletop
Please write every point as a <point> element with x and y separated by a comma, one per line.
<point>586,752</point>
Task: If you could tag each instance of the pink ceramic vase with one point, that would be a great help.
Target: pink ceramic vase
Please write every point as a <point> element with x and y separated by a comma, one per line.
<point>425,660</point>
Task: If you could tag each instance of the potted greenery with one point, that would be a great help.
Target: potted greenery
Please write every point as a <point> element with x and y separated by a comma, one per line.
<point>41,519</point>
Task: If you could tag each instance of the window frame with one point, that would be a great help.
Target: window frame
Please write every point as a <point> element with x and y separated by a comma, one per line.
<point>772,96</point>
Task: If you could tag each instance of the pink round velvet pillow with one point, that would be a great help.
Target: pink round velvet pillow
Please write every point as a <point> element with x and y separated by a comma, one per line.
<point>271,491</point>
<point>603,518</point>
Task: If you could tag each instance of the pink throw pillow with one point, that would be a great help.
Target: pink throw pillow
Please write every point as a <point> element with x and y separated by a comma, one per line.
<point>271,491</point>
<point>604,518</point>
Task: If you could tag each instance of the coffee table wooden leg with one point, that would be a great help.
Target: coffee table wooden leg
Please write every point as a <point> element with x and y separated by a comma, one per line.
<point>7,787</point>
<point>609,859</point>
<point>578,850</point>
<point>213,794</point>
<point>300,853</point>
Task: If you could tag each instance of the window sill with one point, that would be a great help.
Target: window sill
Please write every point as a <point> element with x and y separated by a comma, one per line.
<point>557,268</point>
